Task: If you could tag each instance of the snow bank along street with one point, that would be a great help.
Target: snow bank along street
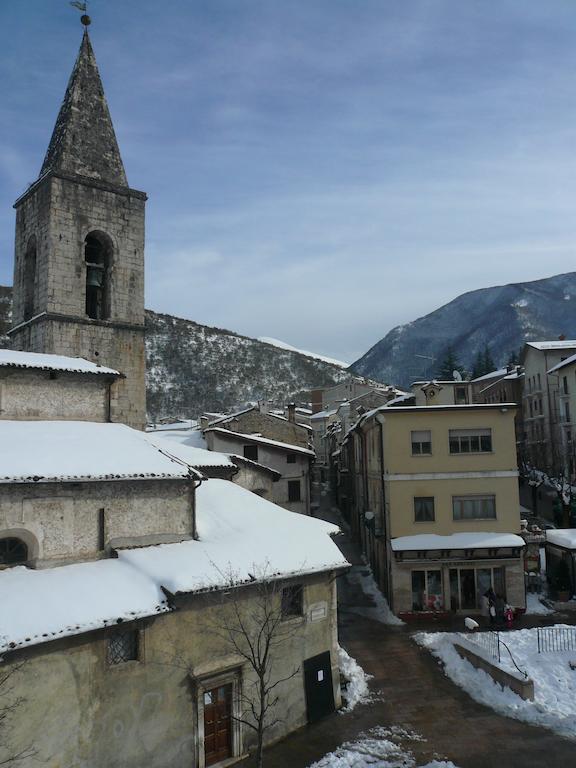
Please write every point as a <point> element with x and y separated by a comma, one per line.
<point>379,748</point>
<point>553,673</point>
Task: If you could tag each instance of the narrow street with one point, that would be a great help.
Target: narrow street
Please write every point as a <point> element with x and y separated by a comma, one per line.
<point>411,691</point>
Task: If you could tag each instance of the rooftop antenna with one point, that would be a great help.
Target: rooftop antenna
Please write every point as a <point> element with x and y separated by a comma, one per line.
<point>83,8</point>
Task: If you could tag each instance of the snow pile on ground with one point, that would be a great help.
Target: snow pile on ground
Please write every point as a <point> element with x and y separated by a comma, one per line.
<point>356,691</point>
<point>554,706</point>
<point>378,748</point>
<point>381,610</point>
<point>534,607</point>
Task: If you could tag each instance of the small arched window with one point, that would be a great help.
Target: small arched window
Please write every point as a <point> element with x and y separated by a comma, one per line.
<point>13,551</point>
<point>97,254</point>
<point>29,279</point>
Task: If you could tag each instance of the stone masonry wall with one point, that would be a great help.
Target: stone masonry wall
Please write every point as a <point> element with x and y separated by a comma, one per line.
<point>60,213</point>
<point>81,712</point>
<point>60,521</point>
<point>33,394</point>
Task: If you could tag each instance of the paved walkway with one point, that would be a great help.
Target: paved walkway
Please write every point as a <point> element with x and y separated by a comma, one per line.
<point>416,695</point>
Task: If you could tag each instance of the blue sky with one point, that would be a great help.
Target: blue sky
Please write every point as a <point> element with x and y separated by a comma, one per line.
<point>317,170</point>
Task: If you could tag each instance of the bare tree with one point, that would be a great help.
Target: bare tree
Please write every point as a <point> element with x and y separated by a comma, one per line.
<point>10,701</point>
<point>254,622</point>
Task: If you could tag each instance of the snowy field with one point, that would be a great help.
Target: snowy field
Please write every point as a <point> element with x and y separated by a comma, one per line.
<point>379,748</point>
<point>554,706</point>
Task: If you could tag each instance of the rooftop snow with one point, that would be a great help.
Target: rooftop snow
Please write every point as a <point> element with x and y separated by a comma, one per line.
<point>545,345</point>
<point>492,375</point>
<point>43,605</point>
<point>189,448</point>
<point>259,439</point>
<point>48,451</point>
<point>568,361</point>
<point>180,425</point>
<point>13,359</point>
<point>241,534</point>
<point>562,537</point>
<point>324,414</point>
<point>428,541</point>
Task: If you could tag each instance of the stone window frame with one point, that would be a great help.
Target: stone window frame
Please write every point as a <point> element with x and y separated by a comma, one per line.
<point>234,677</point>
<point>121,629</point>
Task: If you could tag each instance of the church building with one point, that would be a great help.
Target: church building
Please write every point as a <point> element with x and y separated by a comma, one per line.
<point>125,559</point>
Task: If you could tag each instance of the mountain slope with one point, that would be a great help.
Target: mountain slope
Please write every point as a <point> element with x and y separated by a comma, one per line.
<point>503,317</point>
<point>192,368</point>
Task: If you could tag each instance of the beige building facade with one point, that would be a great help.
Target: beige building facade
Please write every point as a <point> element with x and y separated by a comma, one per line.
<point>433,496</point>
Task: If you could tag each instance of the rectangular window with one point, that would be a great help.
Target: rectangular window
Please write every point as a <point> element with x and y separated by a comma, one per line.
<point>421,442</point>
<point>427,591</point>
<point>461,395</point>
<point>565,384</point>
<point>424,509</point>
<point>251,452</point>
<point>292,601</point>
<point>474,507</point>
<point>567,411</point>
<point>470,440</point>
<point>291,458</point>
<point>294,490</point>
<point>123,646</point>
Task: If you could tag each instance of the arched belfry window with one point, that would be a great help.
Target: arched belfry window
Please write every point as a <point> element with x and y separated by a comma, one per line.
<point>12,551</point>
<point>97,254</point>
<point>29,279</point>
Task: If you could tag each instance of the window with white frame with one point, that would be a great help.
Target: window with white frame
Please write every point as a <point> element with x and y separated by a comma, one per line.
<point>421,442</point>
<point>470,440</point>
<point>474,507</point>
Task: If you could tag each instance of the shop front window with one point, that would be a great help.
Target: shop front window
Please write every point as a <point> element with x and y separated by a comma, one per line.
<point>427,591</point>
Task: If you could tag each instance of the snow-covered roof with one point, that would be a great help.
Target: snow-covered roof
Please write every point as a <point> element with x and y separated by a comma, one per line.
<point>427,541</point>
<point>59,451</point>
<point>285,418</point>
<point>185,448</point>
<point>546,345</point>
<point>568,361</point>
<point>177,426</point>
<point>240,535</point>
<point>229,416</point>
<point>562,537</point>
<point>259,439</point>
<point>13,359</point>
<point>39,606</point>
<point>324,414</point>
<point>492,375</point>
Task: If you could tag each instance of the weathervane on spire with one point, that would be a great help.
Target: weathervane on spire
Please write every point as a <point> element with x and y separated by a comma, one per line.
<point>85,19</point>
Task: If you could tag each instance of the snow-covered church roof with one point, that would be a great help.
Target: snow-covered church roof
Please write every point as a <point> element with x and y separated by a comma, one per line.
<point>240,535</point>
<point>61,451</point>
<point>10,358</point>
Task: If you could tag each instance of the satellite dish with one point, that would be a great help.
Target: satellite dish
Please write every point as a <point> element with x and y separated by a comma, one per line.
<point>457,375</point>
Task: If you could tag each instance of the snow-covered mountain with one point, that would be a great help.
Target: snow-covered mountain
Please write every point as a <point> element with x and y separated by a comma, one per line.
<point>192,368</point>
<point>503,318</point>
<point>284,345</point>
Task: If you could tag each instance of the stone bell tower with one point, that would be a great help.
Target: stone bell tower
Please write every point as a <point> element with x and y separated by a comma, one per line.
<point>79,253</point>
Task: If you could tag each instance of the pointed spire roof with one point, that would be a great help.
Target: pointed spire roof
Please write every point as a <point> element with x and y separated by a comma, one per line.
<point>83,141</point>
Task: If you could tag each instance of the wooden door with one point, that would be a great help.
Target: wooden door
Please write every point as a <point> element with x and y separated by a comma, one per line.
<point>217,724</point>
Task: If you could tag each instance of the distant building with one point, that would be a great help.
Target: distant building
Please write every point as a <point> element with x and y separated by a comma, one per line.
<point>542,402</point>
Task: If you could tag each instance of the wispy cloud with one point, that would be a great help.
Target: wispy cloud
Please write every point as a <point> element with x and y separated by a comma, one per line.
<point>318,172</point>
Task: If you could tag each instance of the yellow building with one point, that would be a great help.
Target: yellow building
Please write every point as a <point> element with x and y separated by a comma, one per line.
<point>436,504</point>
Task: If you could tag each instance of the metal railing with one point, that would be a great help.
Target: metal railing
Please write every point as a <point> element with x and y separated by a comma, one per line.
<point>491,643</point>
<point>553,639</point>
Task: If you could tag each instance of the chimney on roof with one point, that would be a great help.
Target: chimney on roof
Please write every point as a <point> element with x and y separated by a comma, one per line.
<point>291,412</point>
<point>562,337</point>
<point>204,421</point>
